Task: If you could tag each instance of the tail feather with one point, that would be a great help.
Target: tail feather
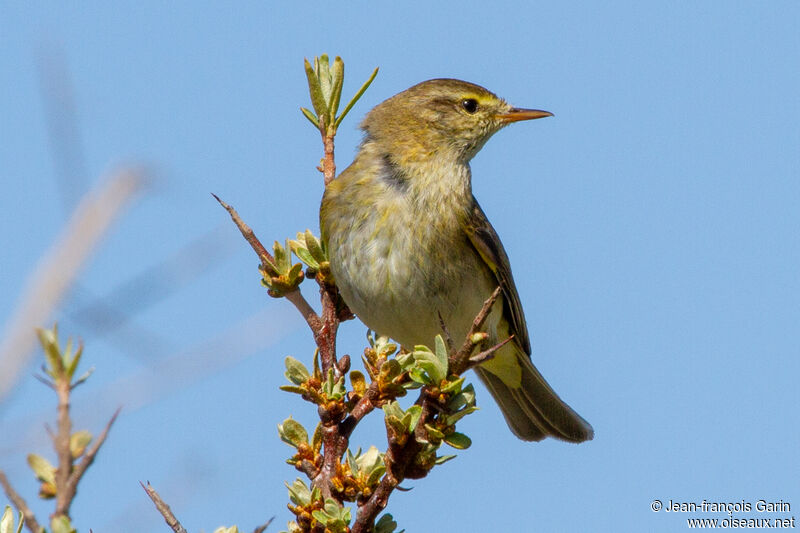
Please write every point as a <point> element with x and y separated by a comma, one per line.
<point>534,411</point>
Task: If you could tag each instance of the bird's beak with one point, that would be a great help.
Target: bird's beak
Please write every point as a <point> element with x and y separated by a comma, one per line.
<point>515,114</point>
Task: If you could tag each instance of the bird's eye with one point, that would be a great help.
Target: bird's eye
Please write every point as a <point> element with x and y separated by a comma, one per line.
<point>470,105</point>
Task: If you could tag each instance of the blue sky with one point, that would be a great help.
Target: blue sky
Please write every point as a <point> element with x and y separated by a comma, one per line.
<point>651,225</point>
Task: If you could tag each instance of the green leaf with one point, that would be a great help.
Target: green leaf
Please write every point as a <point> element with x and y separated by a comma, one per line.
<point>292,388</point>
<point>78,442</point>
<point>458,441</point>
<point>384,347</point>
<point>469,394</point>
<point>418,375</point>
<point>324,73</point>
<point>293,528</point>
<point>351,462</point>
<point>315,91</point>
<point>299,493</point>
<point>396,424</point>
<point>316,439</point>
<point>393,409</point>
<point>455,417</point>
<point>390,370</point>
<point>293,433</point>
<point>305,256</point>
<point>434,432</point>
<point>71,361</point>
<point>453,386</point>
<point>61,524</point>
<point>444,458</point>
<point>332,388</point>
<point>317,372</point>
<point>48,338</point>
<point>296,372</point>
<point>430,363</point>
<point>336,91</point>
<point>42,468</point>
<point>83,377</point>
<point>355,98</point>
<point>295,273</point>
<point>7,521</point>
<point>310,116</point>
<point>358,382</point>
<point>314,247</point>
<point>441,353</point>
<point>406,359</point>
<point>369,459</point>
<point>269,268</point>
<point>414,412</point>
<point>386,524</point>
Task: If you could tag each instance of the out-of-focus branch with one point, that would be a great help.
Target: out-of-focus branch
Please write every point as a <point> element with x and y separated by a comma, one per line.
<point>58,269</point>
<point>163,508</point>
<point>70,488</point>
<point>263,527</point>
<point>61,444</point>
<point>21,505</point>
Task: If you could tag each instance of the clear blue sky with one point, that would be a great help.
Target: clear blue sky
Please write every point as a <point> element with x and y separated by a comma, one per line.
<point>652,225</point>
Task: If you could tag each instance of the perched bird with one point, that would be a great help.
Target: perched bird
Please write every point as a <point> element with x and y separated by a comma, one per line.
<point>408,242</point>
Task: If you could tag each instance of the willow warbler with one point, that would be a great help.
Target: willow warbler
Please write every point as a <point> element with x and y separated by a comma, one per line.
<point>408,242</point>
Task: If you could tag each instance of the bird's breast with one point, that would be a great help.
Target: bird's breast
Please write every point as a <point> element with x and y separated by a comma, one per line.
<point>400,261</point>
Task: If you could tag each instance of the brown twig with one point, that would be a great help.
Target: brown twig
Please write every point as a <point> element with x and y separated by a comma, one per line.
<point>164,509</point>
<point>61,446</point>
<point>21,505</point>
<point>363,407</point>
<point>459,361</point>
<point>67,474</point>
<point>448,339</point>
<point>296,297</point>
<point>399,459</point>
<point>487,354</point>
<point>71,487</point>
<point>328,164</point>
<point>262,528</point>
<point>324,329</point>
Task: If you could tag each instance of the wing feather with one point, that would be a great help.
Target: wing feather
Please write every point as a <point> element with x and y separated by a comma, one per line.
<point>486,242</point>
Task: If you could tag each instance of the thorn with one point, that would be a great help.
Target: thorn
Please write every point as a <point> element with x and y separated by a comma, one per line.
<point>488,354</point>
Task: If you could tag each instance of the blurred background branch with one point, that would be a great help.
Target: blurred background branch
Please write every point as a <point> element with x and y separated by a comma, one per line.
<point>59,267</point>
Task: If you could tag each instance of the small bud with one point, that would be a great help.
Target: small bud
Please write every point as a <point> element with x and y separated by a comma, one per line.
<point>344,364</point>
<point>478,338</point>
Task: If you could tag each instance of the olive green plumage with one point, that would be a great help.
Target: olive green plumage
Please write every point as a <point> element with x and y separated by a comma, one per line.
<point>408,241</point>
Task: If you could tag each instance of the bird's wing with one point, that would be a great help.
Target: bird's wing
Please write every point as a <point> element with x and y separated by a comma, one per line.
<point>486,242</point>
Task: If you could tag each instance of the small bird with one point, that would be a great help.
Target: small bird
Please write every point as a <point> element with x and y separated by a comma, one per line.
<point>408,242</point>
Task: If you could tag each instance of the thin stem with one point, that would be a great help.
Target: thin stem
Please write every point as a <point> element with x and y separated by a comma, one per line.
<point>363,407</point>
<point>487,354</point>
<point>71,487</point>
<point>164,509</point>
<point>295,296</point>
<point>62,448</point>
<point>398,458</point>
<point>459,361</point>
<point>328,163</point>
<point>263,527</point>
<point>21,505</point>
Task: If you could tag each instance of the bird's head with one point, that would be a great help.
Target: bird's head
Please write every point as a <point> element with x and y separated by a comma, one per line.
<point>440,118</point>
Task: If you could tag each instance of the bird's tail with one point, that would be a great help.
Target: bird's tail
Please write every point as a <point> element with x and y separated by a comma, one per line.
<point>534,411</point>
